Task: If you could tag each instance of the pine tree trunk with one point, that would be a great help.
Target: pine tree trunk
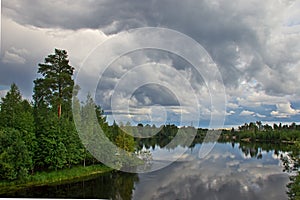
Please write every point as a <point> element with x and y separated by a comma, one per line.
<point>59,110</point>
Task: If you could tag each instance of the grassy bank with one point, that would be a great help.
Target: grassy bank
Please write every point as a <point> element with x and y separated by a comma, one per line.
<point>54,177</point>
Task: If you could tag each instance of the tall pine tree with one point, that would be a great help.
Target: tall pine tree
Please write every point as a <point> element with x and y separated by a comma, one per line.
<point>55,87</point>
<point>57,137</point>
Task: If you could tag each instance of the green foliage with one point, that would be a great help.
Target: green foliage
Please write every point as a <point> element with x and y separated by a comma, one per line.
<point>11,108</point>
<point>102,140</point>
<point>72,143</point>
<point>16,118</point>
<point>15,160</point>
<point>59,144</point>
<point>88,128</point>
<point>54,89</point>
<point>277,133</point>
<point>46,132</point>
<point>294,187</point>
<point>125,141</point>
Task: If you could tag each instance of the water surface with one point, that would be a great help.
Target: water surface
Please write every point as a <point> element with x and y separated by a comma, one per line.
<point>230,171</point>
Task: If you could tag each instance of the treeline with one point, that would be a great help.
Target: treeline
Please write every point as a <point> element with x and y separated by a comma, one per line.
<point>256,131</point>
<point>41,135</point>
<point>149,136</point>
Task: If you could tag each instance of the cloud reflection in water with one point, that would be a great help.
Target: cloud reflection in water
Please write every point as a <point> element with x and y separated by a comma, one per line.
<point>224,174</point>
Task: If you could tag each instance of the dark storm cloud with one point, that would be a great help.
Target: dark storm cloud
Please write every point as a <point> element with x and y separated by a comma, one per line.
<point>244,38</point>
<point>77,14</point>
<point>148,95</point>
<point>9,72</point>
<point>219,27</point>
<point>153,94</point>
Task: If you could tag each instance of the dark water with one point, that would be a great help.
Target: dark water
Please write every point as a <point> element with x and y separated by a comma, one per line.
<point>230,171</point>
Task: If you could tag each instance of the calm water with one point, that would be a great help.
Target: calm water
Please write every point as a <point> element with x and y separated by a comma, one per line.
<point>230,171</point>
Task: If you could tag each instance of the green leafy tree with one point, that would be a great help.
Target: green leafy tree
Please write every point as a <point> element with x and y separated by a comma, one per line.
<point>101,118</point>
<point>17,113</point>
<point>125,141</point>
<point>71,141</point>
<point>91,119</point>
<point>52,151</point>
<point>15,159</point>
<point>11,106</point>
<point>59,144</point>
<point>87,128</point>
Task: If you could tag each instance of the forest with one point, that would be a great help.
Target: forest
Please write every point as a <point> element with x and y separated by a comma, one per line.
<point>41,136</point>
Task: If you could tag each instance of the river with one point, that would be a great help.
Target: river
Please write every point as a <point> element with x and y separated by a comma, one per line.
<point>229,171</point>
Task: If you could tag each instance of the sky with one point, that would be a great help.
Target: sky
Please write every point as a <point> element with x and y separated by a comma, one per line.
<point>249,56</point>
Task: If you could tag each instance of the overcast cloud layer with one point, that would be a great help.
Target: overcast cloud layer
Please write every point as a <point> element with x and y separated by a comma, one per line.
<point>255,44</point>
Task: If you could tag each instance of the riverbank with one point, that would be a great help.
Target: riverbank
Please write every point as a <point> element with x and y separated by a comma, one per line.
<point>54,177</point>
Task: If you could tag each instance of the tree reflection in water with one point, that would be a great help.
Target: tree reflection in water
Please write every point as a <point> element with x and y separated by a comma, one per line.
<point>230,171</point>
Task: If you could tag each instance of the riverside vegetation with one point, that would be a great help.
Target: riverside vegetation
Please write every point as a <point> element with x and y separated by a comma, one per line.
<point>39,137</point>
<point>39,143</point>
